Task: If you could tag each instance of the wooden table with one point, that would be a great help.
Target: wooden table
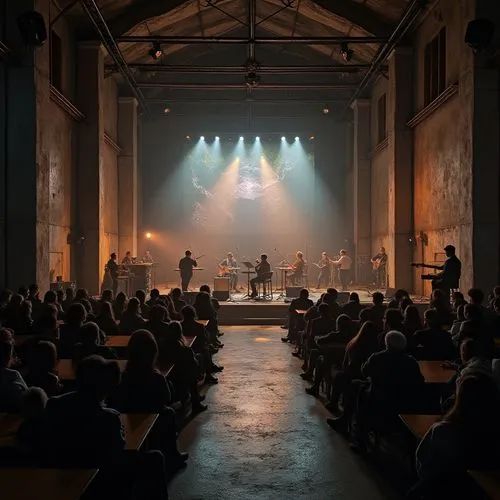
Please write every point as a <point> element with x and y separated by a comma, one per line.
<point>434,373</point>
<point>203,322</point>
<point>121,341</point>
<point>51,484</point>
<point>300,312</point>
<point>419,424</point>
<point>137,427</point>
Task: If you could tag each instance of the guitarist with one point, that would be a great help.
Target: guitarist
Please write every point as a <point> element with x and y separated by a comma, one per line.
<point>227,268</point>
<point>449,277</point>
<point>186,265</point>
<point>379,262</point>
<point>324,270</point>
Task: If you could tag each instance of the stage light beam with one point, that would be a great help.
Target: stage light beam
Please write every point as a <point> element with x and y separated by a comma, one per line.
<point>283,138</point>
<point>202,138</point>
<point>148,235</point>
<point>296,138</point>
<point>216,137</point>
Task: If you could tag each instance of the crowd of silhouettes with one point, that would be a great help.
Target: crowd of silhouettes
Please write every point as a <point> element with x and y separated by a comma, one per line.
<point>77,422</point>
<point>363,362</point>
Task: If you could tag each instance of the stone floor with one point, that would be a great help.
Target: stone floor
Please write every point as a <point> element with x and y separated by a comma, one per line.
<point>263,437</point>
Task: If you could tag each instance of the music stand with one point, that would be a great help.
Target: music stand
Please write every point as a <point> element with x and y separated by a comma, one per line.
<point>249,266</point>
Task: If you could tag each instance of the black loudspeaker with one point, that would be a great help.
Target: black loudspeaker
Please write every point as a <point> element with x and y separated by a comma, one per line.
<point>343,298</point>
<point>32,28</point>
<point>189,297</point>
<point>479,34</point>
<point>221,295</point>
<point>293,291</point>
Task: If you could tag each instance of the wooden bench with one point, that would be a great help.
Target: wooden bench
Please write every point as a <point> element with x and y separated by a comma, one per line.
<point>121,341</point>
<point>203,322</point>
<point>435,373</point>
<point>488,480</point>
<point>301,312</point>
<point>51,484</point>
<point>137,427</point>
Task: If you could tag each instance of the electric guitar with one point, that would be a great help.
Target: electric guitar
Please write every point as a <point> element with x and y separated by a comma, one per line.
<point>428,266</point>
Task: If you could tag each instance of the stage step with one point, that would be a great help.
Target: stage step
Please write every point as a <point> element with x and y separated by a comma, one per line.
<point>253,314</point>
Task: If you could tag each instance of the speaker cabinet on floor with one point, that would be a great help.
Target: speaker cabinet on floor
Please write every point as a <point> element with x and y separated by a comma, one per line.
<point>293,291</point>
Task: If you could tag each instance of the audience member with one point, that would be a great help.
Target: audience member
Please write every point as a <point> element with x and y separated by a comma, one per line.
<point>154,295</point>
<point>131,319</point>
<point>105,319</point>
<point>457,323</point>
<point>378,309</point>
<point>90,342</point>
<point>432,343</point>
<point>411,321</point>
<point>353,307</point>
<point>141,295</point>
<point>295,320</point>
<point>441,303</point>
<point>29,434</point>
<point>42,368</point>
<point>158,321</point>
<point>176,295</point>
<point>46,325</point>
<point>69,333</point>
<point>70,295</point>
<point>119,305</point>
<point>393,320</point>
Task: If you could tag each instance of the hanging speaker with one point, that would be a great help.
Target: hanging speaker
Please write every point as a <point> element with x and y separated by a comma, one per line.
<point>32,28</point>
<point>479,34</point>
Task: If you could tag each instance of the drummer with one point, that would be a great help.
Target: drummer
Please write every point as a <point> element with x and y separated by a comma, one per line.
<point>228,268</point>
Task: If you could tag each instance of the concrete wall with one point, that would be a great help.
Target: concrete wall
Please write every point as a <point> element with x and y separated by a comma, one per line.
<point>443,147</point>
<point>379,175</point>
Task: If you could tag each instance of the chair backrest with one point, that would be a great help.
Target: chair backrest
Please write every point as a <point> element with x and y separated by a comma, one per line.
<point>268,276</point>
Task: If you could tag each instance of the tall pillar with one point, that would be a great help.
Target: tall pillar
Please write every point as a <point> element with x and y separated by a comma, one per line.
<point>127,175</point>
<point>24,188</point>
<point>90,94</point>
<point>486,162</point>
<point>400,148</point>
<point>361,183</point>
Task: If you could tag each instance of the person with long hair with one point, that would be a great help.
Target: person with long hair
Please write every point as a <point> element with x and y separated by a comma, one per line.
<point>119,305</point>
<point>42,368</point>
<point>205,310</point>
<point>105,319</point>
<point>411,321</point>
<point>467,438</point>
<point>132,319</point>
<point>353,307</point>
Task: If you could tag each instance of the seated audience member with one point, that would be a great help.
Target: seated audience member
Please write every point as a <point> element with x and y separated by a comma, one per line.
<point>440,302</point>
<point>468,438</point>
<point>395,386</point>
<point>411,321</point>
<point>457,323</point>
<point>331,298</point>
<point>296,321</point>
<point>215,302</point>
<point>176,295</point>
<point>106,296</point>
<point>50,298</point>
<point>378,309</point>
<point>34,298</point>
<point>158,321</point>
<point>60,297</point>
<point>30,433</point>
<point>106,319</point>
<point>205,310</point>
<point>80,431</point>
<point>5,298</point>
<point>357,351</point>
<point>143,389</point>
<point>173,351</point>
<point>119,305</point>
<point>12,385</point>
<point>404,303</point>
<point>10,311</point>
<point>342,335</point>
<point>324,323</point>
<point>457,300</point>
<point>90,342</point>
<point>432,343</point>
<point>476,297</point>
<point>477,328</point>
<point>131,319</point>
<point>45,325</point>
<point>70,295</point>
<point>23,323</point>
<point>353,307</point>
<point>154,295</point>
<point>70,331</point>
<point>141,295</point>
<point>42,368</point>
<point>23,291</point>
<point>393,320</point>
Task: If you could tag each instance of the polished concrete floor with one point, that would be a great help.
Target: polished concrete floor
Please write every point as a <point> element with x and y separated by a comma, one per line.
<point>263,437</point>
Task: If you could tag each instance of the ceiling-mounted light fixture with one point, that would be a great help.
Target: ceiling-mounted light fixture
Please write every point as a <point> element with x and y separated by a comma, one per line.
<point>325,110</point>
<point>156,51</point>
<point>346,52</point>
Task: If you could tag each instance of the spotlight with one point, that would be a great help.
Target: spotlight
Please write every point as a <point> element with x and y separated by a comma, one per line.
<point>148,236</point>
<point>325,110</point>
<point>257,138</point>
<point>296,138</point>
<point>241,138</point>
<point>346,52</point>
<point>216,137</point>
<point>202,138</point>
<point>283,138</point>
<point>156,51</point>
<point>166,110</point>
<point>188,137</point>
<point>311,138</point>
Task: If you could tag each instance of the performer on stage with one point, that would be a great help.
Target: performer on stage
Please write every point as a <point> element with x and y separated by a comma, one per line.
<point>148,258</point>
<point>112,268</point>
<point>227,268</point>
<point>344,265</point>
<point>324,270</point>
<point>379,262</point>
<point>263,270</point>
<point>297,268</point>
<point>186,265</point>
<point>127,260</point>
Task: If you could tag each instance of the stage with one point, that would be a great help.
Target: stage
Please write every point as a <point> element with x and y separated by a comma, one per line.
<point>241,310</point>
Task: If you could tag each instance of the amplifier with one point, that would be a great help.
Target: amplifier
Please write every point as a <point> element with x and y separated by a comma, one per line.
<point>293,291</point>
<point>221,284</point>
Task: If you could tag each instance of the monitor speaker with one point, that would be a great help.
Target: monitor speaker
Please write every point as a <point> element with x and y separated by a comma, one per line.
<point>221,284</point>
<point>293,291</point>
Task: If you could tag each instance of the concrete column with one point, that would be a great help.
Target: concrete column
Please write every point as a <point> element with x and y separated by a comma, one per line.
<point>24,189</point>
<point>486,162</point>
<point>348,226</point>
<point>90,95</point>
<point>400,147</point>
<point>127,175</point>
<point>361,183</point>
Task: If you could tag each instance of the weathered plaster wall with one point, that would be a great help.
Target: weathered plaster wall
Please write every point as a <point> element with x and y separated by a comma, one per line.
<point>443,147</point>
<point>379,175</point>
